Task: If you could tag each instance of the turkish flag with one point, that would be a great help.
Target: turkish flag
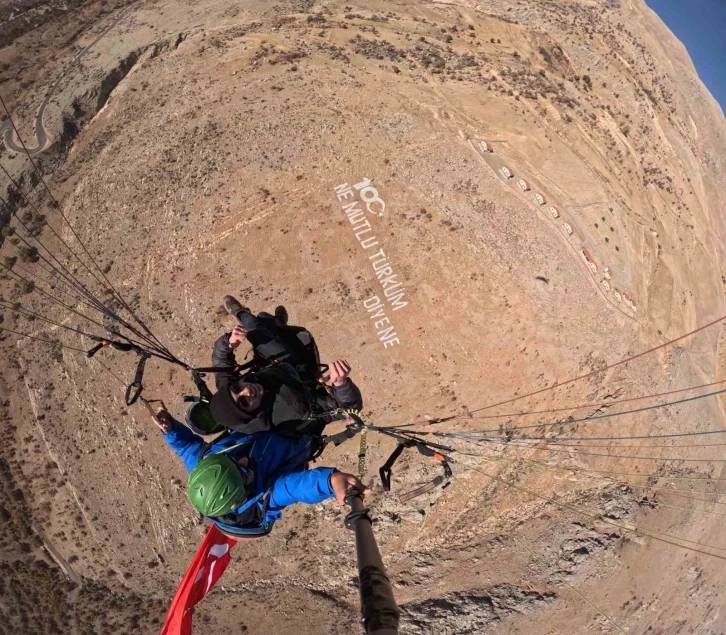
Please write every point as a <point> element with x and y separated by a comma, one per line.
<point>207,567</point>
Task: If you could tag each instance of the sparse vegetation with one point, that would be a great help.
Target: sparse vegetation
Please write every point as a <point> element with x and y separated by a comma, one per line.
<point>236,148</point>
<point>28,253</point>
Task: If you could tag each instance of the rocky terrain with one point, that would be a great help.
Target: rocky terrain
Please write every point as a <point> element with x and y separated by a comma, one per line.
<point>540,188</point>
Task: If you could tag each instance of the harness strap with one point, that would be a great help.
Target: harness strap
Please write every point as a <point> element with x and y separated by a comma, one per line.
<point>386,470</point>
<point>133,391</point>
<point>119,346</point>
<point>362,451</point>
<point>341,437</point>
<point>336,439</point>
<point>232,447</point>
<point>224,369</point>
<point>204,393</point>
<point>250,502</point>
<point>414,493</point>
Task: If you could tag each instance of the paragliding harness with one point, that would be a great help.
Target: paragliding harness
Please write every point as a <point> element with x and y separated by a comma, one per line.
<point>248,521</point>
<point>299,340</point>
<point>302,346</point>
<point>309,371</point>
<point>303,349</point>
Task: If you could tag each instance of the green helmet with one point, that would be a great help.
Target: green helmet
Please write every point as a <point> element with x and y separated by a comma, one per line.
<point>199,418</point>
<point>216,486</point>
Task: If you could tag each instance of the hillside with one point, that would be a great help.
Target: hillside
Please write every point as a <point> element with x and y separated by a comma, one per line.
<point>203,150</point>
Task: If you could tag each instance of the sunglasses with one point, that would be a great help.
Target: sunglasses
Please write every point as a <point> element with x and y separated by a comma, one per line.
<point>244,401</point>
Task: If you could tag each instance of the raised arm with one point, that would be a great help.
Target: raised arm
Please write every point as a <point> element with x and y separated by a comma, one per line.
<point>310,487</point>
<point>181,439</point>
<point>342,392</point>
<point>348,395</point>
<point>223,354</point>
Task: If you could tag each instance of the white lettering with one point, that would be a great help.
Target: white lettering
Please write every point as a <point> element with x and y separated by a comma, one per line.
<point>373,302</point>
<point>369,195</point>
<point>396,302</point>
<point>393,290</point>
<point>350,208</point>
<point>362,225</point>
<point>359,234</point>
<point>387,333</point>
<point>369,242</point>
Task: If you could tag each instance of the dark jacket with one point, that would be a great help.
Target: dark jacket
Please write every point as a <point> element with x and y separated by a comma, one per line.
<point>289,405</point>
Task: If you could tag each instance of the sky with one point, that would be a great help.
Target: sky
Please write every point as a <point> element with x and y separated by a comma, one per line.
<point>701,26</point>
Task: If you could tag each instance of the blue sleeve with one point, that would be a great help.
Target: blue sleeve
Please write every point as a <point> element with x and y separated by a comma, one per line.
<point>310,486</point>
<point>185,443</point>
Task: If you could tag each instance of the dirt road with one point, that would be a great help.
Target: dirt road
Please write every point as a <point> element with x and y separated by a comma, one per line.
<point>41,142</point>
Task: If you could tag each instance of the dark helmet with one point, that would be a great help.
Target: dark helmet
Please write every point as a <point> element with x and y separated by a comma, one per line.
<point>199,418</point>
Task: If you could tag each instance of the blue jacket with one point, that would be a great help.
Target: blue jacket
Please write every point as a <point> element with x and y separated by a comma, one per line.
<point>281,478</point>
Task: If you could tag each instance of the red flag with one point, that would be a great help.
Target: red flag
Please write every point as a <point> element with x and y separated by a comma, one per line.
<point>207,567</point>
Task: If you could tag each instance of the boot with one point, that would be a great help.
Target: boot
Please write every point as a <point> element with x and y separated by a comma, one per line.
<point>233,306</point>
<point>281,315</point>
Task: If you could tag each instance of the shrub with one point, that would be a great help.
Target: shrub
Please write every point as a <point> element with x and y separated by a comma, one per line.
<point>29,254</point>
<point>26,286</point>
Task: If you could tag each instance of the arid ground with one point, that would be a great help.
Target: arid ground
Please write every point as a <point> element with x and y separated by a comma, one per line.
<point>206,148</point>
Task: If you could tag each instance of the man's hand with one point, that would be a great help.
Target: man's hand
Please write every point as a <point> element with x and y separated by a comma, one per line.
<point>237,336</point>
<point>163,420</point>
<point>339,371</point>
<point>342,483</point>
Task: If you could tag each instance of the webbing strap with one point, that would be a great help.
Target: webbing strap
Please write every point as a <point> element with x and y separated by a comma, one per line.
<point>355,515</point>
<point>119,346</point>
<point>133,391</point>
<point>414,493</point>
<point>204,393</point>
<point>386,470</point>
<point>362,450</point>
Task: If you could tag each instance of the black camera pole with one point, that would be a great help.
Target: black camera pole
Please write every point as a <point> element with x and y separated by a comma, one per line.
<point>379,611</point>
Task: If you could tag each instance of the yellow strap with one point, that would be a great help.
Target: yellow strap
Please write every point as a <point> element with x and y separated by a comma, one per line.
<point>362,453</point>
